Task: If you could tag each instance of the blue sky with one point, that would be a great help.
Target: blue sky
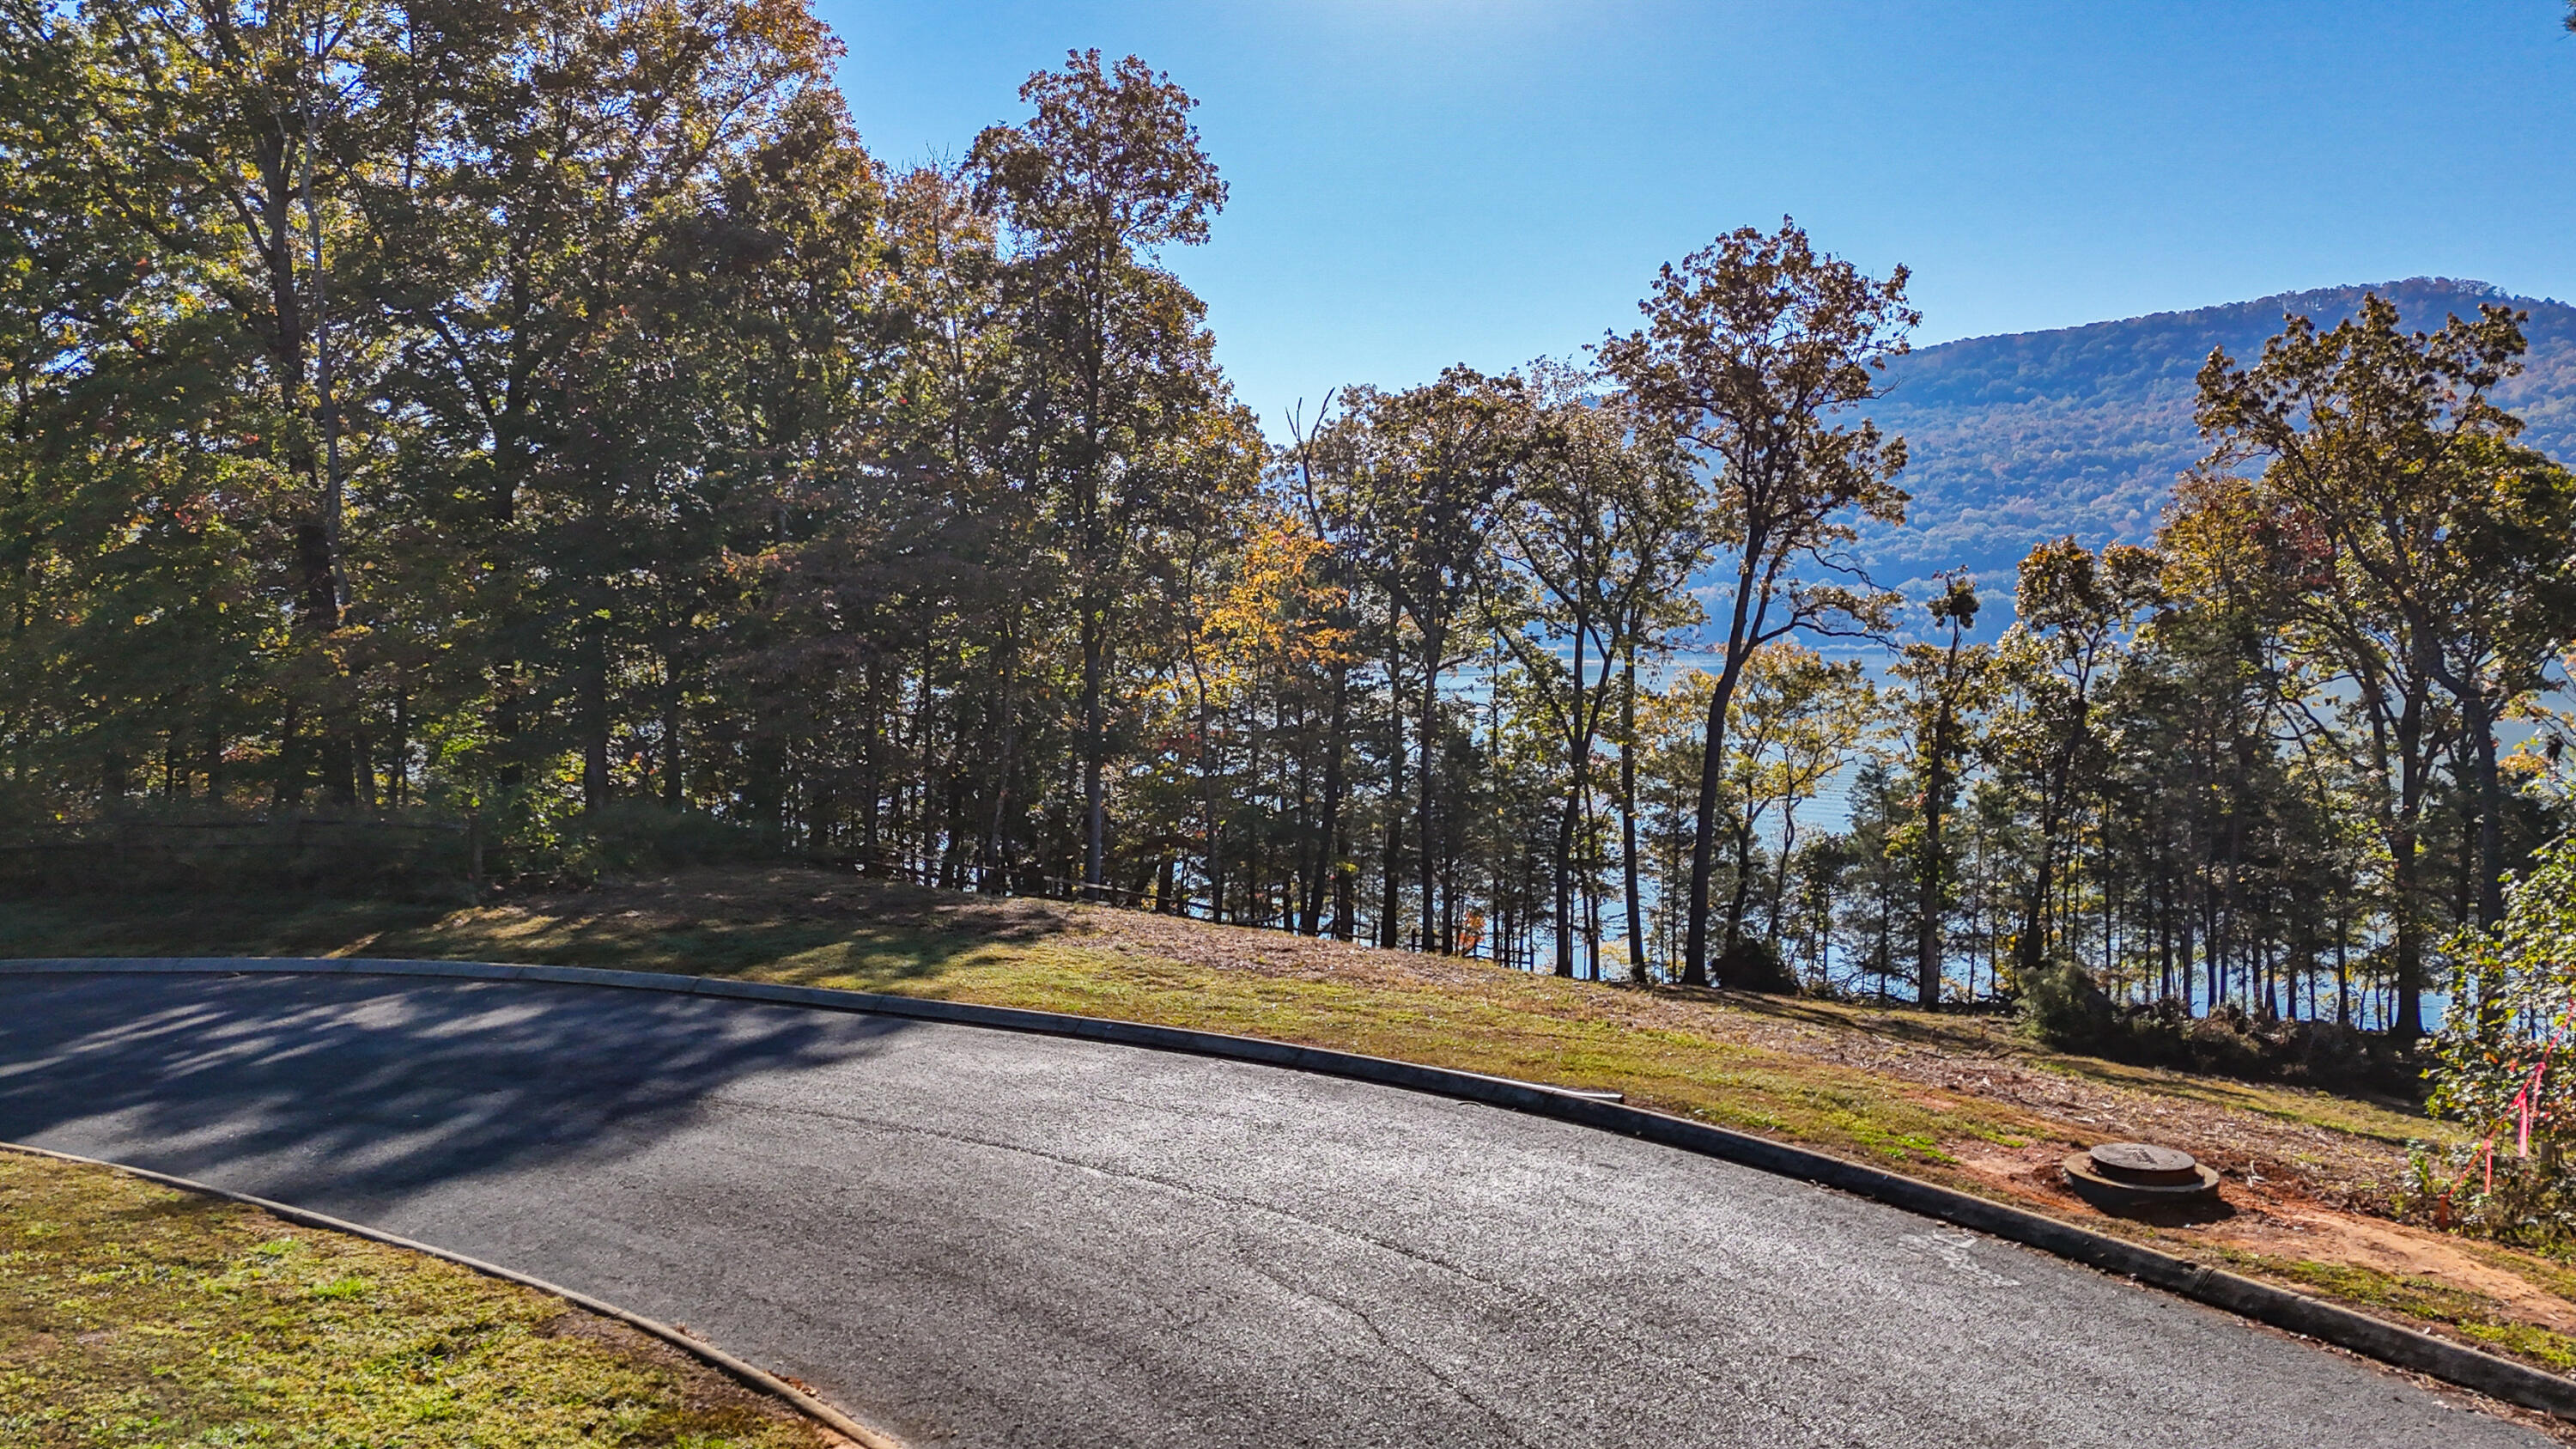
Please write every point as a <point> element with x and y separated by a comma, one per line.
<point>1420,182</point>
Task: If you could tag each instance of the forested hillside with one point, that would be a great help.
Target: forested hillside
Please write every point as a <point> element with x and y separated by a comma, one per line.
<point>2083,430</point>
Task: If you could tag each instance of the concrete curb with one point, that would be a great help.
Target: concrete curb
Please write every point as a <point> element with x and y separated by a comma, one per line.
<point>757,1378</point>
<point>2361,1333</point>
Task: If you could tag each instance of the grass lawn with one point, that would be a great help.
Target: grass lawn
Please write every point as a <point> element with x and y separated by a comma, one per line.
<point>1958,1099</point>
<point>139,1317</point>
<point>1821,1073</point>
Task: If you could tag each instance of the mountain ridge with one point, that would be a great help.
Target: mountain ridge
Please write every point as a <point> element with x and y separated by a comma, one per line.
<point>2019,437</point>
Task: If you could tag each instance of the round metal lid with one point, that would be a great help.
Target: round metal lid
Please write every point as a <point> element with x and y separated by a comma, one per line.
<point>2144,1162</point>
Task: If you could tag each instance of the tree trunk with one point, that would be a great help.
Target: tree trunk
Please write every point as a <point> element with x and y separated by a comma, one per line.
<point>1739,899</point>
<point>674,782</point>
<point>1392,873</point>
<point>2032,949</point>
<point>594,719</point>
<point>1928,868</point>
<point>997,865</point>
<point>2404,867</point>
<point>1429,735</point>
<point>401,751</point>
<point>1095,851</point>
<point>2343,973</point>
<point>1628,821</point>
<point>1345,902</point>
<point>286,783</point>
<point>319,616</point>
<point>510,772</point>
<point>1213,823</point>
<point>1565,889</point>
<point>1328,829</point>
<point>1704,832</point>
<point>2481,726</point>
<point>874,858</point>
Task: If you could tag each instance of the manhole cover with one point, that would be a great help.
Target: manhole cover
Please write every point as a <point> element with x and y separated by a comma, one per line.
<point>2143,1162</point>
<point>2122,1175</point>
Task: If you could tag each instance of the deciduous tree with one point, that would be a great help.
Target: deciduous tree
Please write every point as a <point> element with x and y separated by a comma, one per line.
<point>1754,351</point>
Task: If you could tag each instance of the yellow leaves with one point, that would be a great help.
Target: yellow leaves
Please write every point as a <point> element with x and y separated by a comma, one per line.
<point>1679,710</point>
<point>1276,612</point>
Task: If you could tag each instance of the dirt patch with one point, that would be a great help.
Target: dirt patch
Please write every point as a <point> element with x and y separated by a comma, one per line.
<point>2270,1216</point>
<point>2346,1169</point>
<point>2287,1230</point>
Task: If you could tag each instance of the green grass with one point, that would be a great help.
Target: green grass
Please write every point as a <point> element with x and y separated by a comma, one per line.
<point>1676,1056</point>
<point>2383,1118</point>
<point>2468,1314</point>
<point>1500,1023</point>
<point>1680,1056</point>
<point>1799,1070</point>
<point>1505,1023</point>
<point>138,1317</point>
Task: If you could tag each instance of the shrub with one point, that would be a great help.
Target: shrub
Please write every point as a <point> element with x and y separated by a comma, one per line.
<point>2062,1007</point>
<point>209,849</point>
<point>629,836</point>
<point>2504,1064</point>
<point>1755,965</point>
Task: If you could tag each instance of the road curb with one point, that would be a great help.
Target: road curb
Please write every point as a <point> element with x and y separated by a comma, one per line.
<point>749,1375</point>
<point>2297,1313</point>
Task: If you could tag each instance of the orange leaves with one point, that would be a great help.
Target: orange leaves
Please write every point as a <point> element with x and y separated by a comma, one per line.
<point>1278,610</point>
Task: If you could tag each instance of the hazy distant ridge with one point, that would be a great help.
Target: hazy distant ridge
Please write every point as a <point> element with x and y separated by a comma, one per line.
<point>2081,430</point>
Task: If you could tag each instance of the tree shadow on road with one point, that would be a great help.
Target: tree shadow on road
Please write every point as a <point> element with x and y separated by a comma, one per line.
<point>354,1090</point>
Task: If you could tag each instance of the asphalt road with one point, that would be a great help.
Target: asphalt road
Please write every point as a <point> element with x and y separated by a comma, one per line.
<point>974,1237</point>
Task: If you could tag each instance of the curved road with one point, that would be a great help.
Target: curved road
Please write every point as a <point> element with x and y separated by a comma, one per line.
<point>973,1237</point>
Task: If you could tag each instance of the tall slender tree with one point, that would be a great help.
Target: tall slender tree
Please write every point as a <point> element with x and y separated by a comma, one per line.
<point>2074,611</point>
<point>1414,513</point>
<point>1107,172</point>
<point>1946,680</point>
<point>1598,526</point>
<point>1753,352</point>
